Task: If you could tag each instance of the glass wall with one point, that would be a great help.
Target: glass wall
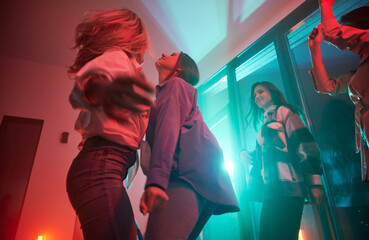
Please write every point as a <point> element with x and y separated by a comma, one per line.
<point>216,110</point>
<point>332,119</point>
<point>281,56</point>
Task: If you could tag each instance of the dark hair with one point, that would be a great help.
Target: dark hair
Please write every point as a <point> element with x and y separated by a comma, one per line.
<point>357,18</point>
<point>189,71</point>
<point>255,115</point>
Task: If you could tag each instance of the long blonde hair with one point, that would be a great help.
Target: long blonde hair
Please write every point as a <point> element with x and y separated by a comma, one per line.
<point>115,29</point>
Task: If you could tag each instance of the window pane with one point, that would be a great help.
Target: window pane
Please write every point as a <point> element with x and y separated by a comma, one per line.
<point>216,98</point>
<point>332,120</point>
<point>261,67</point>
<point>215,106</point>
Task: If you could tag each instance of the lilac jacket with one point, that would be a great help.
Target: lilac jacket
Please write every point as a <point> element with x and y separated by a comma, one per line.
<point>184,148</point>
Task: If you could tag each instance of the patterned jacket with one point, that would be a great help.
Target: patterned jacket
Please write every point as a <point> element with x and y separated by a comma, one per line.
<point>287,156</point>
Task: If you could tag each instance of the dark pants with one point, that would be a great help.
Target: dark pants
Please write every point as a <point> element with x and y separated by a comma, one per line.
<point>280,218</point>
<point>95,189</point>
<point>183,217</point>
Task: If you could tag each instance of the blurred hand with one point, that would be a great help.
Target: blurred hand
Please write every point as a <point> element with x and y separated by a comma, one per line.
<point>246,157</point>
<point>153,199</point>
<point>132,93</point>
<point>328,2</point>
<point>315,38</point>
<point>317,196</point>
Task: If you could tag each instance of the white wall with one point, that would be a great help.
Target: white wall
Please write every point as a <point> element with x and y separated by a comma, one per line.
<point>33,90</point>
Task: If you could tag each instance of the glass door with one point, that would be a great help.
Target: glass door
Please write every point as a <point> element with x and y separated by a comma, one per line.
<point>332,122</point>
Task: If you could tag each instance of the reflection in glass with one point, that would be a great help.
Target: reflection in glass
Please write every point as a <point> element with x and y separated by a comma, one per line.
<point>215,105</point>
<point>333,124</point>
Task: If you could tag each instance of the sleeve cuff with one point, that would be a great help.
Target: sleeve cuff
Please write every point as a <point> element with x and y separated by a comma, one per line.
<point>157,178</point>
<point>154,185</point>
<point>331,23</point>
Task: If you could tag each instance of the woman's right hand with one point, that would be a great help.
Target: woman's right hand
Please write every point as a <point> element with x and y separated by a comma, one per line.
<point>315,38</point>
<point>153,199</point>
<point>246,157</point>
<point>132,93</point>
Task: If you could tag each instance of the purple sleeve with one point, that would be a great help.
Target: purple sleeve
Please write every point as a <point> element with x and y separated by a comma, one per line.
<point>173,106</point>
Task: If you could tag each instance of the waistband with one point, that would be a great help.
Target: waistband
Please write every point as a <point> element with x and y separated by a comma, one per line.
<point>98,141</point>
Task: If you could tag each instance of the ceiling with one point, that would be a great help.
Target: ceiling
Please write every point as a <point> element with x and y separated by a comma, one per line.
<point>211,31</point>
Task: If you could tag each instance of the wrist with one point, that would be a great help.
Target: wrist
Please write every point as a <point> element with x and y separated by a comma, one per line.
<point>325,5</point>
<point>154,185</point>
<point>314,48</point>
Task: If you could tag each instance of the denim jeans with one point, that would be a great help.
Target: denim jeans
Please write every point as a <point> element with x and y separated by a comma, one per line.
<point>96,192</point>
<point>183,217</point>
<point>280,218</point>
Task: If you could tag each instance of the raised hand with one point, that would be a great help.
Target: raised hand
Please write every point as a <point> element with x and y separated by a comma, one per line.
<point>131,93</point>
<point>315,38</point>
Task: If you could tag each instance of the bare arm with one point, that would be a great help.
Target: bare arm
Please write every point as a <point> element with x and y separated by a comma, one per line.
<point>107,83</point>
<point>323,83</point>
<point>319,73</point>
<point>326,11</point>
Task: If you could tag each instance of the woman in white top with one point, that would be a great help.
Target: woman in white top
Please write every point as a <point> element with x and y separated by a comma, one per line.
<point>110,92</point>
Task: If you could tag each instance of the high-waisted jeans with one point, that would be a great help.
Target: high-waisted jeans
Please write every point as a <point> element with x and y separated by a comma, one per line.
<point>95,189</point>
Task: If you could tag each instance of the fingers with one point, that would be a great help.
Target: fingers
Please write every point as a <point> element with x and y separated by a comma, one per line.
<point>313,33</point>
<point>143,206</point>
<point>145,85</point>
<point>121,95</point>
<point>139,81</point>
<point>124,97</point>
<point>153,199</point>
<point>115,113</point>
<point>318,196</point>
<point>147,202</point>
<point>160,202</point>
<point>122,91</point>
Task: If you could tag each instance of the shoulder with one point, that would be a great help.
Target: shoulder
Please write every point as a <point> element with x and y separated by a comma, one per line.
<point>111,63</point>
<point>178,89</point>
<point>178,84</point>
<point>284,109</point>
<point>283,112</point>
<point>176,81</point>
<point>112,57</point>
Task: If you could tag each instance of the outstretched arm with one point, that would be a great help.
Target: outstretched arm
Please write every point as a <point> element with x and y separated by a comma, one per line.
<point>343,36</point>
<point>321,79</point>
<point>107,82</point>
<point>323,83</point>
<point>326,11</point>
